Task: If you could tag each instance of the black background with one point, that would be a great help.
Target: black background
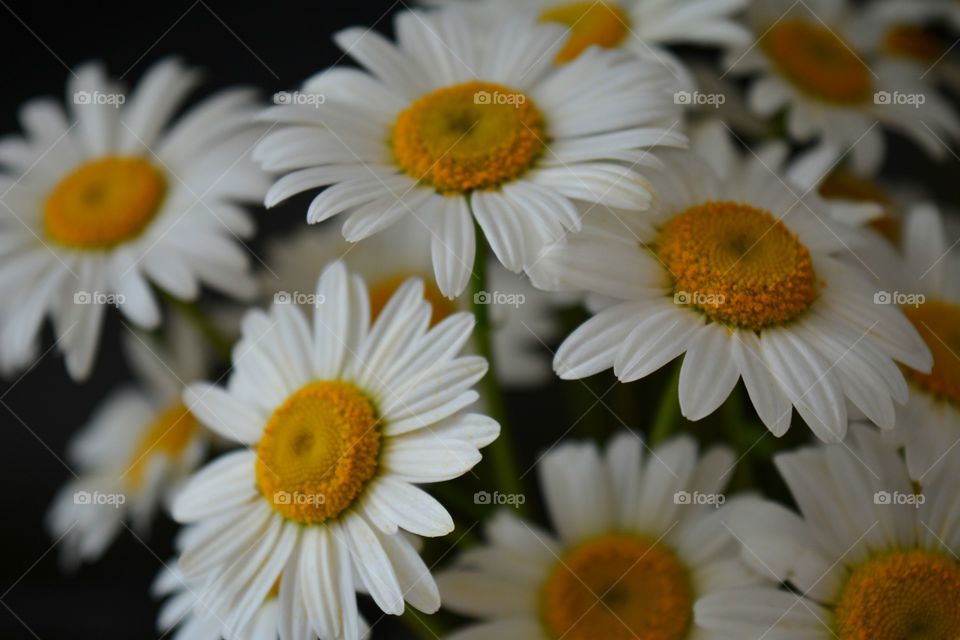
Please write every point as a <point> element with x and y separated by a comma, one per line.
<point>272,46</point>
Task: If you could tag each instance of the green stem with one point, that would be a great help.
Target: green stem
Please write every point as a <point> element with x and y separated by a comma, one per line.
<point>425,626</point>
<point>220,341</point>
<point>501,451</point>
<point>668,411</point>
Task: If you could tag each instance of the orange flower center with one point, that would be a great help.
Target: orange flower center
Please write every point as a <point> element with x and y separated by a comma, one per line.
<point>939,326</point>
<point>592,23</point>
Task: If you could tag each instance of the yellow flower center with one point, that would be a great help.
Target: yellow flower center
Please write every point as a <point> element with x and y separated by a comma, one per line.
<point>818,62</point>
<point>737,264</point>
<point>913,42</point>
<point>476,135</point>
<point>618,587</point>
<point>591,23</point>
<point>318,451</point>
<point>903,595</point>
<point>104,202</point>
<point>169,434</point>
<point>381,291</point>
<point>939,325</point>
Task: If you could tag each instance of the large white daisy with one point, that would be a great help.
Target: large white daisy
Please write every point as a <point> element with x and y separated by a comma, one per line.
<point>870,556</point>
<point>101,202</point>
<point>136,450</point>
<point>523,317</point>
<point>742,275</point>
<point>340,421</point>
<point>457,123</point>
<point>806,63</point>
<point>638,540</point>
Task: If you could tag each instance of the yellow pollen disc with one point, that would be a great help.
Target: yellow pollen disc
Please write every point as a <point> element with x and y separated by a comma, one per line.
<point>476,135</point>
<point>913,42</point>
<point>903,595</point>
<point>169,434</point>
<point>939,326</point>
<point>318,451</point>
<point>618,587</point>
<point>818,62</point>
<point>381,292</point>
<point>592,23</point>
<point>737,264</point>
<point>104,202</point>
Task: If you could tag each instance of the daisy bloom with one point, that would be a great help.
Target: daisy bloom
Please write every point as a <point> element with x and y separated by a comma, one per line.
<point>638,541</point>
<point>339,422</point>
<point>136,450</point>
<point>456,123</point>
<point>871,555</point>
<point>523,317</point>
<point>929,294</point>
<point>743,276</point>
<point>110,198</point>
<point>806,63</point>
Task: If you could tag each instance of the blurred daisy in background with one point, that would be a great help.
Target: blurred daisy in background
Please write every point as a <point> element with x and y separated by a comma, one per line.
<point>105,200</point>
<point>524,317</point>
<point>805,65</point>
<point>742,275</point>
<point>457,124</point>
<point>137,448</point>
<point>638,541</point>
<point>871,555</point>
<point>339,421</point>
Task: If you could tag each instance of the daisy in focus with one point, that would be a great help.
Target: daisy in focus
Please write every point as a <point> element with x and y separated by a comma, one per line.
<point>635,548</point>
<point>743,276</point>
<point>870,556</point>
<point>456,124</point>
<point>340,420</point>
<point>136,450</point>
<point>804,62</point>
<point>524,317</point>
<point>103,201</point>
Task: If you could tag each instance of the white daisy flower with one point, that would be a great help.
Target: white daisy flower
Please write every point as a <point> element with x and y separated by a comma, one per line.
<point>523,316</point>
<point>448,131</point>
<point>340,421</point>
<point>870,556</point>
<point>928,290</point>
<point>805,62</point>
<point>101,202</point>
<point>135,451</point>
<point>643,27</point>
<point>743,276</point>
<point>636,546</point>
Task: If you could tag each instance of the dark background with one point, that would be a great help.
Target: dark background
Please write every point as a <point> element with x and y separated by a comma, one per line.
<point>272,46</point>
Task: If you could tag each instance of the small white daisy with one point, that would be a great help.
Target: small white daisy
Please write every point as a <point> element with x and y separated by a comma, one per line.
<point>340,421</point>
<point>136,450</point>
<point>457,123</point>
<point>741,275</point>
<point>102,202</point>
<point>806,63</point>
<point>871,556</point>
<point>523,317</point>
<point>636,546</point>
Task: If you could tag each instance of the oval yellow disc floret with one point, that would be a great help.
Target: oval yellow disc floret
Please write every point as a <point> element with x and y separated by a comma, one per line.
<point>938,323</point>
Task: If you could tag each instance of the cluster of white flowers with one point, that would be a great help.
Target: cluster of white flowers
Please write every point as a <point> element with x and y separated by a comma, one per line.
<point>505,170</point>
